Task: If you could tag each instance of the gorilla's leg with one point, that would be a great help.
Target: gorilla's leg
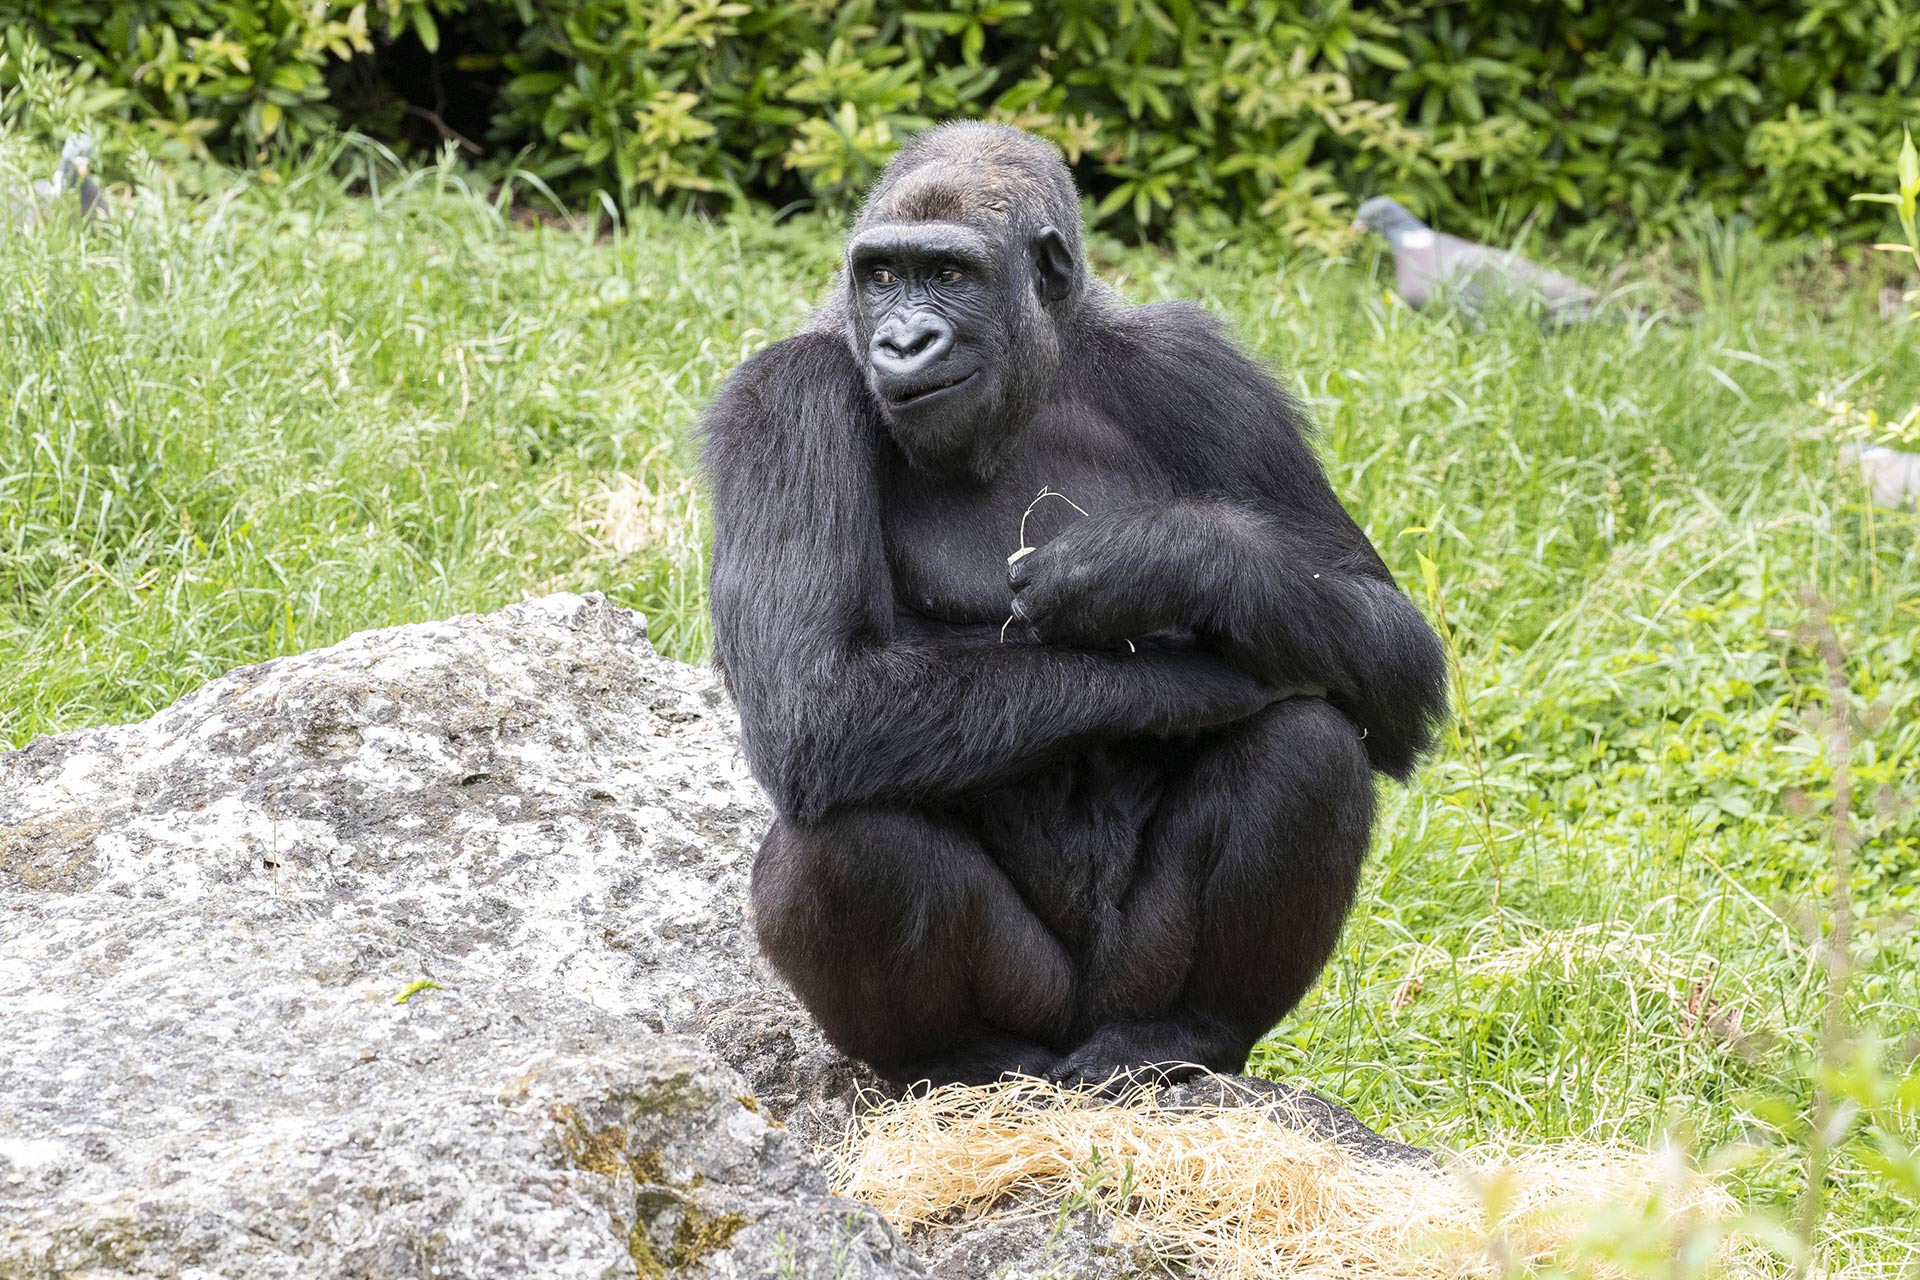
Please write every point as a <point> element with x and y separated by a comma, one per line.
<point>1264,833</point>
<point>910,948</point>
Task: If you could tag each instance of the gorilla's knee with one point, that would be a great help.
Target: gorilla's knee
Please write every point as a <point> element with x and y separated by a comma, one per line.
<point>839,891</point>
<point>831,915</point>
<point>900,935</point>
<point>1285,872</point>
<point>1312,761</point>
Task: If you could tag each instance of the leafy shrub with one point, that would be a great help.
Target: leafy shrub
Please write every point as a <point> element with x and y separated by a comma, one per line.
<point>1481,111</point>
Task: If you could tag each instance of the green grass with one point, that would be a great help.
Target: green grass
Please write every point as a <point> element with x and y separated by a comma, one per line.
<point>253,424</point>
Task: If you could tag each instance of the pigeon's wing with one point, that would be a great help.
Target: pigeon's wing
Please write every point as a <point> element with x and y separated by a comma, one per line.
<point>93,197</point>
<point>1416,266</point>
<point>1431,262</point>
<point>1503,271</point>
<point>1566,297</point>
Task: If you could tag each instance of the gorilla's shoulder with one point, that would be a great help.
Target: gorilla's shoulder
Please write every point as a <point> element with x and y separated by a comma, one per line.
<point>796,384</point>
<point>1173,376</point>
<point>811,356</point>
<point>1176,317</point>
<point>1172,335</point>
<point>799,406</point>
<point>1173,345</point>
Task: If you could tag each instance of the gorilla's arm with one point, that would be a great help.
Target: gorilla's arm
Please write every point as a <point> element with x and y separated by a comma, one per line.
<point>835,710</point>
<point>1260,561</point>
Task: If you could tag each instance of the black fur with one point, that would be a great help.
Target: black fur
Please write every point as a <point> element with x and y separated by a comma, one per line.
<point>1129,832</point>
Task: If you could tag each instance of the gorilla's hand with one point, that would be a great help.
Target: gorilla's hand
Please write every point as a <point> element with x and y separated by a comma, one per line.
<point>1109,579</point>
<point>1192,691</point>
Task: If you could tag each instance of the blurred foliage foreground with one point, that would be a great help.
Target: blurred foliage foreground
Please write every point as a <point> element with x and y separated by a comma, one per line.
<point>1627,116</point>
<point>244,426</point>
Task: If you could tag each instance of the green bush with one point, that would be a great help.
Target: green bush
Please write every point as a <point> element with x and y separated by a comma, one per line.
<point>1483,112</point>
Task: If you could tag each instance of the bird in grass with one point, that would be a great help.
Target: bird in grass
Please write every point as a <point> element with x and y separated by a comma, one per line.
<point>1891,476</point>
<point>72,181</point>
<point>1431,264</point>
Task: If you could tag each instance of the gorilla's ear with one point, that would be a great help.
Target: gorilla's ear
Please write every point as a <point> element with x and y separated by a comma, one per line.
<point>1053,263</point>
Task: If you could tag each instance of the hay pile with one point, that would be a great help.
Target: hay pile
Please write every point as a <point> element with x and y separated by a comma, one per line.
<point>1228,1192</point>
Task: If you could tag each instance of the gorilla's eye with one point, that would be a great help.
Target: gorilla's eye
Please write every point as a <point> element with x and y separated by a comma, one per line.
<point>951,274</point>
<point>880,275</point>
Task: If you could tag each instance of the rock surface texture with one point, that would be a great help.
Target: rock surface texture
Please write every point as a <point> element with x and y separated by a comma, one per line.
<point>422,955</point>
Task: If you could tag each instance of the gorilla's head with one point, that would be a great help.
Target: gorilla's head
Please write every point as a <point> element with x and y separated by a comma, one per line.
<point>964,262</point>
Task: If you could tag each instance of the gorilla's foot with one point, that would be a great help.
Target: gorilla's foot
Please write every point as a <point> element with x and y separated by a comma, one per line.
<point>983,1060</point>
<point>1157,1051</point>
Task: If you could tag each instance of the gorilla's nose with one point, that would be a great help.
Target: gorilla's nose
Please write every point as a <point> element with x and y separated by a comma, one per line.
<point>904,346</point>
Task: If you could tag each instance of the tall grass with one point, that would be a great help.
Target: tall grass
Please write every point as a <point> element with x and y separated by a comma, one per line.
<point>252,425</point>
<point>248,425</point>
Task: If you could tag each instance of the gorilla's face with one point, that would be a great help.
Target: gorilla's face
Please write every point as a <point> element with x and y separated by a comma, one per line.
<point>956,342</point>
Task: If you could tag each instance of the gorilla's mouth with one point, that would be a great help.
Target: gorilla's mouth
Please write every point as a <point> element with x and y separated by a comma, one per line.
<point>926,393</point>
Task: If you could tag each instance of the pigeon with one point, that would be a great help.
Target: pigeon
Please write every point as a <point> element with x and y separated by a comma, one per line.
<point>1892,478</point>
<point>1432,264</point>
<point>73,178</point>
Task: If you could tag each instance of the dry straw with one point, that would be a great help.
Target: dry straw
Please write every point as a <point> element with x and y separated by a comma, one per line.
<point>636,514</point>
<point>1227,1192</point>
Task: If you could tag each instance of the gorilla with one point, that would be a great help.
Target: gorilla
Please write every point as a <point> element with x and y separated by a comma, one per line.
<point>1066,672</point>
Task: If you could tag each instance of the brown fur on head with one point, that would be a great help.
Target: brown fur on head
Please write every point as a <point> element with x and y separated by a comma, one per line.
<point>990,176</point>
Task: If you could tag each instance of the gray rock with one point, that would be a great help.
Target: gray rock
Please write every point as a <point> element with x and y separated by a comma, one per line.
<point>1049,1246</point>
<point>211,916</point>
<point>796,1074</point>
<point>535,792</point>
<point>237,1093</point>
<point>219,1057</point>
<point>1304,1108</point>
